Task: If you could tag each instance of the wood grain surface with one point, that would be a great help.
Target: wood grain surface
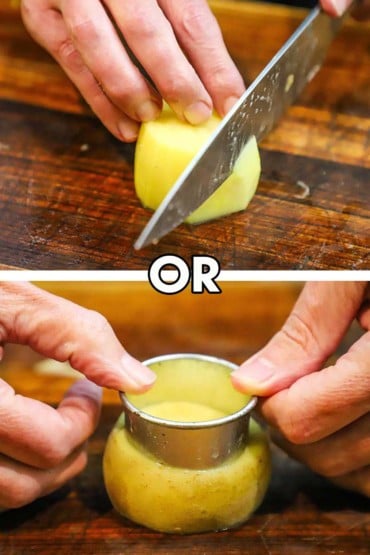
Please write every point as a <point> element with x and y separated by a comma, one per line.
<point>66,186</point>
<point>302,514</point>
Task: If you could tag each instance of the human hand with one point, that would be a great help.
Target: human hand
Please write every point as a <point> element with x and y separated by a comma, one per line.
<point>179,45</point>
<point>41,447</point>
<point>321,416</point>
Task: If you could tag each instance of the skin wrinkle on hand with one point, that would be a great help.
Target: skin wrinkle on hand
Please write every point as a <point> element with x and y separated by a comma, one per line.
<point>125,95</point>
<point>43,461</point>
<point>87,347</point>
<point>40,460</point>
<point>331,401</point>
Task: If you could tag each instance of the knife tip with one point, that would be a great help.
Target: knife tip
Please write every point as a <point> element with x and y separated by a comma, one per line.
<point>139,244</point>
<point>144,240</point>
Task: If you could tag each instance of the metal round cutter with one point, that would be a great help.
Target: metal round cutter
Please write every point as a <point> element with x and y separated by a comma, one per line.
<point>195,379</point>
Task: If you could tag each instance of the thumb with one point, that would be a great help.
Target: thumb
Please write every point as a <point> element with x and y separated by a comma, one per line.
<point>62,330</point>
<point>312,332</point>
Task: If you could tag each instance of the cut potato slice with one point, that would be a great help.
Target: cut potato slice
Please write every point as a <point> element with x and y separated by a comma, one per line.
<point>165,147</point>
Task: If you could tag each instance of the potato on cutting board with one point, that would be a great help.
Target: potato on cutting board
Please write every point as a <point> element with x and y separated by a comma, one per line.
<point>165,147</point>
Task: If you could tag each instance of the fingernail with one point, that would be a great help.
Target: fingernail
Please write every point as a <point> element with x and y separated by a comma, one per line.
<point>128,130</point>
<point>85,384</point>
<point>340,6</point>
<point>137,373</point>
<point>148,111</point>
<point>229,103</point>
<point>88,388</point>
<point>254,372</point>
<point>197,113</point>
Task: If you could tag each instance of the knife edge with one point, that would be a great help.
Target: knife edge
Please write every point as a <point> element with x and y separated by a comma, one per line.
<point>255,113</point>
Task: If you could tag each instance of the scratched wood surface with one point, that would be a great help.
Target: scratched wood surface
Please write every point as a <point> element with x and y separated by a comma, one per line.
<point>66,186</point>
<point>302,514</point>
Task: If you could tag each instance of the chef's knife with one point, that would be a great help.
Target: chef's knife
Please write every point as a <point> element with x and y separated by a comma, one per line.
<point>255,113</point>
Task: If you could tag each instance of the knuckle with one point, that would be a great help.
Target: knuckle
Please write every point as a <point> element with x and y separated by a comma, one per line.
<point>297,432</point>
<point>136,22</point>
<point>98,321</point>
<point>3,333</point>
<point>226,80</point>
<point>68,55</point>
<point>297,331</point>
<point>292,434</point>
<point>142,29</point>
<point>194,21</point>
<point>223,75</point>
<point>52,458</point>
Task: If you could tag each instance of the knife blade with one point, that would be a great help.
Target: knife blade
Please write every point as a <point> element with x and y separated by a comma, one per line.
<point>255,113</point>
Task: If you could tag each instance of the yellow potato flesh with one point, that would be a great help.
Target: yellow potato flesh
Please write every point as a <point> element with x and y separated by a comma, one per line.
<point>166,146</point>
<point>179,500</point>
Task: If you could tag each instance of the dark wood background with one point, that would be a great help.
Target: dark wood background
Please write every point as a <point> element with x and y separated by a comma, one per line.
<point>302,513</point>
<point>66,186</point>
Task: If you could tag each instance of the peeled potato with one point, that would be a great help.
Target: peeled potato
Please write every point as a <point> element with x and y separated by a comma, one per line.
<point>180,500</point>
<point>166,146</point>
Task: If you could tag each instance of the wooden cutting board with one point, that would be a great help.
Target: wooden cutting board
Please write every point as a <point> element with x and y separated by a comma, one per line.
<point>302,514</point>
<point>66,186</point>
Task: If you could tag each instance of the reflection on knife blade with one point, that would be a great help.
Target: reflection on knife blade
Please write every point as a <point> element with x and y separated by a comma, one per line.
<point>256,112</point>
